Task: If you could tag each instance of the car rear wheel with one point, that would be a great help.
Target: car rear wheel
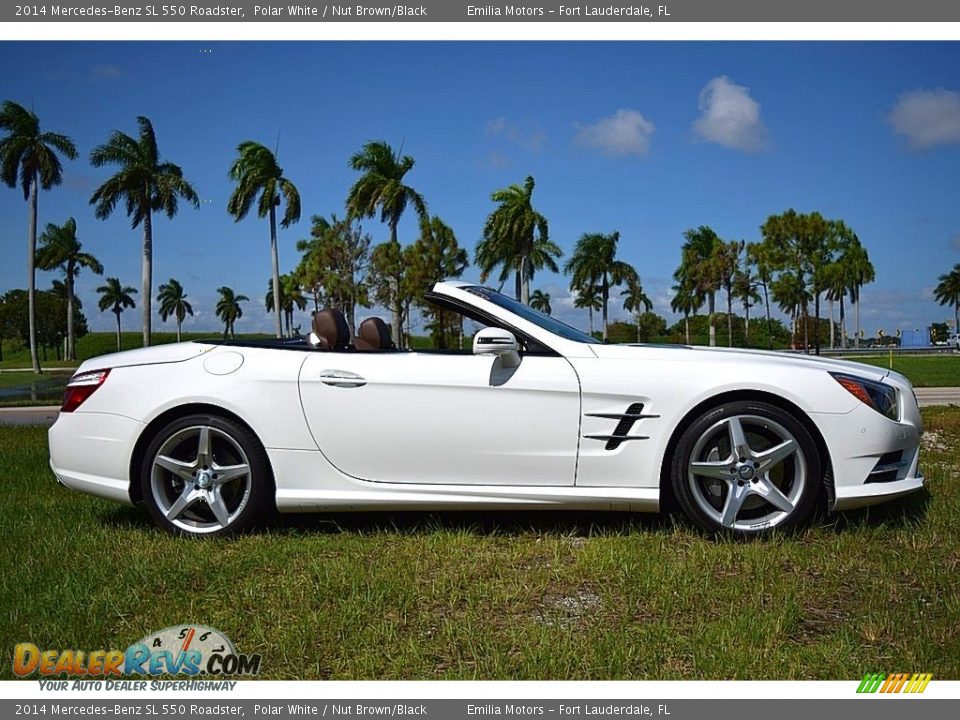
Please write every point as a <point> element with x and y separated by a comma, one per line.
<point>746,468</point>
<point>205,475</point>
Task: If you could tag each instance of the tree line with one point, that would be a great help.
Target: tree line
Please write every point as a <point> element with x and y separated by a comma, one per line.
<point>800,259</point>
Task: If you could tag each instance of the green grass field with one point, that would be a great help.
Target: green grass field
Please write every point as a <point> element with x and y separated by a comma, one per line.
<point>497,595</point>
<point>922,370</point>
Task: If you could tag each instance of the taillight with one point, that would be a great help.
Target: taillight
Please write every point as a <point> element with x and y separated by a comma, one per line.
<point>80,387</point>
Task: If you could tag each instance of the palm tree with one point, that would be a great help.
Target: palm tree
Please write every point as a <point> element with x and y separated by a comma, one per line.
<point>835,283</point>
<point>115,297</point>
<point>745,288</point>
<point>147,185</point>
<point>758,256</point>
<point>28,157</point>
<point>699,267</point>
<point>728,262</point>
<point>291,296</point>
<point>173,301</point>
<point>861,272</point>
<point>381,190</point>
<point>635,300</point>
<point>229,310</point>
<point>588,296</point>
<point>792,294</point>
<point>947,292</point>
<point>685,301</point>
<point>256,172</point>
<point>594,262</point>
<point>516,238</point>
<point>60,248</point>
<point>539,300</point>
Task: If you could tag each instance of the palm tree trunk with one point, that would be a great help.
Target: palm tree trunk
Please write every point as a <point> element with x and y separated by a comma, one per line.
<point>729,318</point>
<point>117,313</point>
<point>686,326</point>
<point>711,302</point>
<point>71,352</point>
<point>147,275</point>
<point>605,297</point>
<point>275,260</point>
<point>816,324</point>
<point>590,312</point>
<point>856,307</point>
<point>396,312</point>
<point>525,280</point>
<point>746,321</point>
<point>32,274</point>
<point>766,301</point>
<point>806,328</point>
<point>832,329</point>
<point>178,330</point>
<point>638,327</point>
<point>843,326</point>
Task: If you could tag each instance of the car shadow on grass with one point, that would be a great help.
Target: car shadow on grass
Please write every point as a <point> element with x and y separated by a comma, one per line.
<point>906,512</point>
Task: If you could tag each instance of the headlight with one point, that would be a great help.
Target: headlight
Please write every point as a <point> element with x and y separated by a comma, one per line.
<point>880,397</point>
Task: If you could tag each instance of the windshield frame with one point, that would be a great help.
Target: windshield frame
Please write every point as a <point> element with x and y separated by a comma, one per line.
<point>545,322</point>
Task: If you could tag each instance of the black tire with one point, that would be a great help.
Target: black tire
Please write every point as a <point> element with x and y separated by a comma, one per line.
<point>747,493</point>
<point>192,491</point>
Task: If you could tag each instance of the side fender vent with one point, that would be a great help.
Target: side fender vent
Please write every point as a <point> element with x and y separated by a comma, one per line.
<point>625,423</point>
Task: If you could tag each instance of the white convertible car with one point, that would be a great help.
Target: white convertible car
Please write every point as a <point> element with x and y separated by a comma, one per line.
<point>211,436</point>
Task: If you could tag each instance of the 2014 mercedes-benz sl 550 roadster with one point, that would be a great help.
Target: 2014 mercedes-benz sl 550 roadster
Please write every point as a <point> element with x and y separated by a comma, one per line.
<point>212,436</point>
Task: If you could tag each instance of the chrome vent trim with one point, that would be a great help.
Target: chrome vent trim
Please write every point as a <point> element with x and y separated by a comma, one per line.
<point>625,421</point>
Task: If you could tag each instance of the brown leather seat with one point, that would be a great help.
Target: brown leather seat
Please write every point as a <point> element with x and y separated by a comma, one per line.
<point>330,327</point>
<point>373,335</point>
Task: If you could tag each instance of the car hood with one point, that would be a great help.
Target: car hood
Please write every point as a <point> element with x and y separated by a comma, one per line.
<point>170,353</point>
<point>686,353</point>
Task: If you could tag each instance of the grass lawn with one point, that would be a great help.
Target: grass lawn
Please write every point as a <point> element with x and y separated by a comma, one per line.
<point>496,595</point>
<point>922,370</point>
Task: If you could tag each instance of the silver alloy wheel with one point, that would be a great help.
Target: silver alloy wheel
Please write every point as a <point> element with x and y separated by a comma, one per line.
<point>747,472</point>
<point>200,479</point>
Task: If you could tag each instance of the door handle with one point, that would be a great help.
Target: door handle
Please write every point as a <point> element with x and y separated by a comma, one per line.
<point>341,378</point>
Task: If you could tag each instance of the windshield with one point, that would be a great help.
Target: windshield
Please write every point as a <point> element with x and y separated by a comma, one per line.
<point>528,313</point>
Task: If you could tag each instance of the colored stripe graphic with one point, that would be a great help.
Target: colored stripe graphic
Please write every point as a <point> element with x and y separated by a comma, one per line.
<point>894,683</point>
<point>871,682</point>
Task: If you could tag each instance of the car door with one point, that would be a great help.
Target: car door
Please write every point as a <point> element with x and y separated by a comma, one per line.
<point>444,418</point>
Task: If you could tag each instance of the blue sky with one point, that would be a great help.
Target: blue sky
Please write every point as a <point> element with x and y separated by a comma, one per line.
<point>646,138</point>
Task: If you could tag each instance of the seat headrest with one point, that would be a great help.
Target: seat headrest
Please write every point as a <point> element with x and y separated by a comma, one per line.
<point>331,327</point>
<point>373,334</point>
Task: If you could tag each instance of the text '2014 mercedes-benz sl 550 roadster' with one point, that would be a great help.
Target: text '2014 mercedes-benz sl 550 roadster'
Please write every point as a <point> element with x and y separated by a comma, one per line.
<point>212,436</point>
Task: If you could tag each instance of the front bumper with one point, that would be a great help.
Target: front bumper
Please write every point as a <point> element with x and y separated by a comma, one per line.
<point>859,442</point>
<point>91,452</point>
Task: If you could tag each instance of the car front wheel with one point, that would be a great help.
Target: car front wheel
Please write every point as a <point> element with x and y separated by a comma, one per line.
<point>205,475</point>
<point>746,468</point>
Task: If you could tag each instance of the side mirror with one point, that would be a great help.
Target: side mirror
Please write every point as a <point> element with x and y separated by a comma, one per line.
<point>499,342</point>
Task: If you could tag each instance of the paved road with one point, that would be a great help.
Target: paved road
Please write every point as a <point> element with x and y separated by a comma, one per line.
<point>46,416</point>
<point>938,396</point>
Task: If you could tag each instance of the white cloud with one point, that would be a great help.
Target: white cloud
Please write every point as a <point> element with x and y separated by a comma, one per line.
<point>496,160</point>
<point>626,132</point>
<point>730,117</point>
<point>529,138</point>
<point>927,117</point>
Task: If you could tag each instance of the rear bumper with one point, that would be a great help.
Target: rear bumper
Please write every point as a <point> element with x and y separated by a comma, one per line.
<point>90,452</point>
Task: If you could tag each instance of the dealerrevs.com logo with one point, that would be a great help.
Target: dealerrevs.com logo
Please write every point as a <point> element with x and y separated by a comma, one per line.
<point>181,649</point>
<point>894,682</point>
